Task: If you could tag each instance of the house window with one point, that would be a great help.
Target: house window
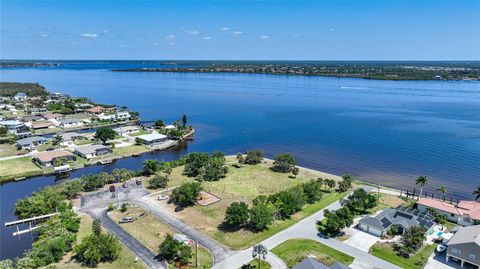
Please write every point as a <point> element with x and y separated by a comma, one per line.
<point>456,251</point>
<point>471,256</point>
<point>452,215</point>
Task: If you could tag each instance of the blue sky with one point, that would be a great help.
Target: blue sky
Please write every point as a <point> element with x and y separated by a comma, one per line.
<point>241,30</point>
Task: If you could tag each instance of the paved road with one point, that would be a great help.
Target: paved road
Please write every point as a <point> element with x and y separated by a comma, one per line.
<point>307,228</point>
<point>136,247</point>
<point>218,251</point>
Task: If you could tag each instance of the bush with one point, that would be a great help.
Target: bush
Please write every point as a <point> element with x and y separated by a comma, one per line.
<point>261,216</point>
<point>204,167</point>
<point>110,207</point>
<point>150,167</point>
<point>253,157</point>
<point>237,214</point>
<point>123,208</point>
<point>186,194</point>
<point>313,190</point>
<point>172,250</point>
<point>284,163</point>
<point>158,182</point>
<point>288,201</point>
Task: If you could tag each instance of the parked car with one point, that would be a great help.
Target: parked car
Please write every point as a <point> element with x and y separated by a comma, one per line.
<point>183,239</point>
<point>163,197</point>
<point>126,220</point>
<point>125,185</point>
<point>178,208</point>
<point>112,188</point>
<point>138,181</point>
<point>441,248</point>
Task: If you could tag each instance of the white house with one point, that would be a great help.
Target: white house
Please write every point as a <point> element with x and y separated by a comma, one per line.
<point>122,115</point>
<point>104,116</point>
<point>92,151</point>
<point>20,97</point>
<point>16,127</point>
<point>70,123</point>
<point>152,139</point>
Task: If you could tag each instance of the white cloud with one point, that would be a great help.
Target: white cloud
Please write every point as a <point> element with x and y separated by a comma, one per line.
<point>332,29</point>
<point>264,37</point>
<point>225,29</point>
<point>206,38</point>
<point>170,37</point>
<point>237,33</point>
<point>192,32</point>
<point>171,43</point>
<point>89,35</point>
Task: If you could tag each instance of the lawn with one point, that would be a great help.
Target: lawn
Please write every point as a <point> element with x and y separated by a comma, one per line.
<point>130,150</point>
<point>18,167</point>
<point>387,201</point>
<point>7,150</point>
<point>385,251</point>
<point>125,260</point>
<point>48,145</point>
<point>294,251</point>
<point>151,232</point>
<point>263,264</point>
<point>244,184</point>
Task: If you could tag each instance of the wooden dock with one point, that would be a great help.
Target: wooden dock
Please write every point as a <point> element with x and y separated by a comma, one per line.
<point>42,217</point>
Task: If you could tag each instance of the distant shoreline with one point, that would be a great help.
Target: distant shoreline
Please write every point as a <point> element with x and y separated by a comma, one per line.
<point>359,76</point>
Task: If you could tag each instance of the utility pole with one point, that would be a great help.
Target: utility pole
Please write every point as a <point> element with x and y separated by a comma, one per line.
<point>196,254</point>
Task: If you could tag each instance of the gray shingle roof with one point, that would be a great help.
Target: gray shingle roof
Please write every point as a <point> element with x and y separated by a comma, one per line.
<point>310,263</point>
<point>91,149</point>
<point>397,216</point>
<point>30,140</point>
<point>470,234</point>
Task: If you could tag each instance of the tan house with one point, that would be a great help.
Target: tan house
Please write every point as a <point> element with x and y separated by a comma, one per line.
<point>465,246</point>
<point>48,158</point>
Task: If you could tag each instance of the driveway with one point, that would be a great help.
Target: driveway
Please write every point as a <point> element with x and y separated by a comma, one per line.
<point>438,262</point>
<point>361,240</point>
<point>129,241</point>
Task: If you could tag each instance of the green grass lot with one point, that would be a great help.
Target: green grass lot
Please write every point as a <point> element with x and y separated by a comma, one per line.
<point>387,201</point>
<point>263,264</point>
<point>130,150</point>
<point>125,260</point>
<point>151,232</point>
<point>294,251</point>
<point>142,132</point>
<point>48,145</point>
<point>385,251</point>
<point>7,150</point>
<point>18,167</point>
<point>49,131</point>
<point>244,184</point>
<point>80,142</point>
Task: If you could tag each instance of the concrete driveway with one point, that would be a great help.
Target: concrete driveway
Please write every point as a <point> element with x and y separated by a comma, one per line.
<point>361,240</point>
<point>437,261</point>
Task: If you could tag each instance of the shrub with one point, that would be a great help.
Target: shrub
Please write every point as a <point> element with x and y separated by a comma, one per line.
<point>261,216</point>
<point>158,182</point>
<point>123,208</point>
<point>253,157</point>
<point>186,194</point>
<point>237,214</point>
<point>284,163</point>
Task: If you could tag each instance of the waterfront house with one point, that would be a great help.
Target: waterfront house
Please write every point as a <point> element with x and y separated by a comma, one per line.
<point>51,116</point>
<point>71,136</point>
<point>123,130</point>
<point>20,97</point>
<point>58,96</point>
<point>402,217</point>
<point>37,125</point>
<point>93,151</point>
<point>37,110</point>
<point>100,109</point>
<point>70,123</point>
<point>106,116</point>
<point>31,118</point>
<point>49,158</point>
<point>170,127</point>
<point>31,143</point>
<point>16,127</point>
<point>122,115</point>
<point>465,246</point>
<point>312,263</point>
<point>152,139</point>
<point>464,213</point>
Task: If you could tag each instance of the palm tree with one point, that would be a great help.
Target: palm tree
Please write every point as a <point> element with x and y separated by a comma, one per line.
<point>422,181</point>
<point>477,193</point>
<point>259,252</point>
<point>442,189</point>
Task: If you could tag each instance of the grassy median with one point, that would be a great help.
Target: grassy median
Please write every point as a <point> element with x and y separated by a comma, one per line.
<point>386,251</point>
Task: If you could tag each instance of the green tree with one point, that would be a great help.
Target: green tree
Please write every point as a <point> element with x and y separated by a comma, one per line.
<point>237,214</point>
<point>72,189</point>
<point>422,181</point>
<point>122,175</point>
<point>96,227</point>
<point>159,123</point>
<point>476,193</point>
<point>172,250</point>
<point>413,239</point>
<point>158,182</point>
<point>104,134</point>
<point>56,140</point>
<point>184,120</point>
<point>150,167</point>
<point>259,252</point>
<point>345,184</point>
<point>261,216</point>
<point>240,158</point>
<point>194,162</point>
<point>284,163</point>
<point>187,194</point>
<point>123,208</point>
<point>3,131</point>
<point>253,157</point>
<point>441,189</point>
<point>313,190</point>
<point>295,171</point>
